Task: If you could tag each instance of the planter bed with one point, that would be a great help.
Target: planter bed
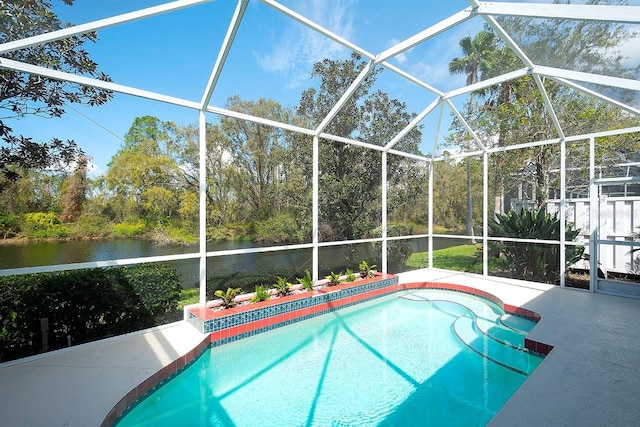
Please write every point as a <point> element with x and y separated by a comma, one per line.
<point>232,324</point>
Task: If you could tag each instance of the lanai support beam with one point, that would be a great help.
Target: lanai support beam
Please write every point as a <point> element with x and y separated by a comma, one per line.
<point>98,25</point>
<point>234,25</point>
<point>606,13</point>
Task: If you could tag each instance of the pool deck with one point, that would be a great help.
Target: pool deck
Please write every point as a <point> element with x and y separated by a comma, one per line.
<point>590,378</point>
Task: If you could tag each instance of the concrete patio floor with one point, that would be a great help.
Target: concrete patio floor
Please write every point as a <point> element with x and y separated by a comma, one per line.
<point>590,378</point>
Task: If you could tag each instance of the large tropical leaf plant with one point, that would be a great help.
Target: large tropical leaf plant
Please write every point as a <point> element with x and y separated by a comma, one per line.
<point>538,262</point>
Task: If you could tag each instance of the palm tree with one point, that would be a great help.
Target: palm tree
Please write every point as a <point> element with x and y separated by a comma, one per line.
<point>476,61</point>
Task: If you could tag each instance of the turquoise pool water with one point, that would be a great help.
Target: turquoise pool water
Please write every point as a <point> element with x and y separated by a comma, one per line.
<point>419,357</point>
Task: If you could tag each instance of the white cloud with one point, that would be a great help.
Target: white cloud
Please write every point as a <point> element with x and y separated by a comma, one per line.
<point>631,52</point>
<point>299,47</point>
<point>402,57</point>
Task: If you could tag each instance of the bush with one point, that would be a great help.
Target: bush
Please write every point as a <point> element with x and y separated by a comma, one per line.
<point>44,225</point>
<point>398,251</point>
<point>533,261</point>
<point>9,225</point>
<point>84,304</point>
<point>282,228</point>
<point>92,226</point>
<point>41,220</point>
<point>127,229</point>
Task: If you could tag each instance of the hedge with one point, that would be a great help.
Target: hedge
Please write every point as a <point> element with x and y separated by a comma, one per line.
<point>85,305</point>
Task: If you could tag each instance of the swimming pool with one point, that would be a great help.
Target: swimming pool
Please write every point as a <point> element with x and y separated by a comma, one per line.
<point>418,357</point>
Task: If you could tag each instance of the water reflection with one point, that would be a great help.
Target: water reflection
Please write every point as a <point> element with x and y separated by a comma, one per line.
<point>67,252</point>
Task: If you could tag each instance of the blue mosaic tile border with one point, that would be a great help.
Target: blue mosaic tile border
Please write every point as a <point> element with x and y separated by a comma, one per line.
<point>290,306</point>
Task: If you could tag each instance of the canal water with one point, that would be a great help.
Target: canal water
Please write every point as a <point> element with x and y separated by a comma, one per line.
<point>68,252</point>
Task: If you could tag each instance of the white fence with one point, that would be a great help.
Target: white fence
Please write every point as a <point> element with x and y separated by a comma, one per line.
<point>619,219</point>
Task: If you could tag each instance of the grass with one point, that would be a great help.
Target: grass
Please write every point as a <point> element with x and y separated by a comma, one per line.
<point>466,258</point>
<point>188,296</point>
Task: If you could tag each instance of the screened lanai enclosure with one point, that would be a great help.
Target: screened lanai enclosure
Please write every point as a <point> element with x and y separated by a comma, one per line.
<point>275,137</point>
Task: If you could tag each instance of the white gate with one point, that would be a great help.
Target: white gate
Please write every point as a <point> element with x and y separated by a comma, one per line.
<point>615,241</point>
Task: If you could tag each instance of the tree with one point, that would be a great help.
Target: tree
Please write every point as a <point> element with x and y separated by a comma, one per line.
<point>478,53</point>
<point>142,176</point>
<point>75,191</point>
<point>257,155</point>
<point>23,94</point>
<point>350,179</point>
<point>514,112</point>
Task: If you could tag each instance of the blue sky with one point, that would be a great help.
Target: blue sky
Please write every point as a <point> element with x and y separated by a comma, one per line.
<point>272,57</point>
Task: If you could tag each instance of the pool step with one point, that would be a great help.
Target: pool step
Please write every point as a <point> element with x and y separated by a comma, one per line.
<point>511,358</point>
<point>494,329</point>
<point>517,323</point>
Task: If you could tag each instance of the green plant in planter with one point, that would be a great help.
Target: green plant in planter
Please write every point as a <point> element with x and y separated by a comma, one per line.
<point>282,286</point>
<point>228,296</point>
<point>366,270</point>
<point>351,276</point>
<point>306,281</point>
<point>262,294</point>
<point>334,278</point>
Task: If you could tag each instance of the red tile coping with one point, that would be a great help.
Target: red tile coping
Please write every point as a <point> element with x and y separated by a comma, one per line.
<point>531,345</point>
<point>156,378</point>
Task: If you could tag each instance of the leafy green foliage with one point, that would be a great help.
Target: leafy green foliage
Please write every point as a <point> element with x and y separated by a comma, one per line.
<point>9,225</point>
<point>24,94</point>
<point>126,229</point>
<point>334,278</point>
<point>282,285</point>
<point>228,296</point>
<point>350,276</point>
<point>534,261</point>
<point>366,270</point>
<point>262,294</point>
<point>85,304</point>
<point>282,228</point>
<point>398,251</point>
<point>350,178</point>
<point>43,225</point>
<point>306,281</point>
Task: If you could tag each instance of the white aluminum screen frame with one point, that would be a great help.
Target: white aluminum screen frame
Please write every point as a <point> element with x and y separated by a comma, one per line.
<point>486,10</point>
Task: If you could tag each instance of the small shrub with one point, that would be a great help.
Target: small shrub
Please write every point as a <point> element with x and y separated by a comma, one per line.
<point>9,225</point>
<point>351,277</point>
<point>306,281</point>
<point>228,296</point>
<point>282,286</point>
<point>534,261</point>
<point>44,225</point>
<point>84,304</point>
<point>280,228</point>
<point>127,229</point>
<point>92,226</point>
<point>262,294</point>
<point>366,270</point>
<point>41,220</point>
<point>398,251</point>
<point>334,278</point>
